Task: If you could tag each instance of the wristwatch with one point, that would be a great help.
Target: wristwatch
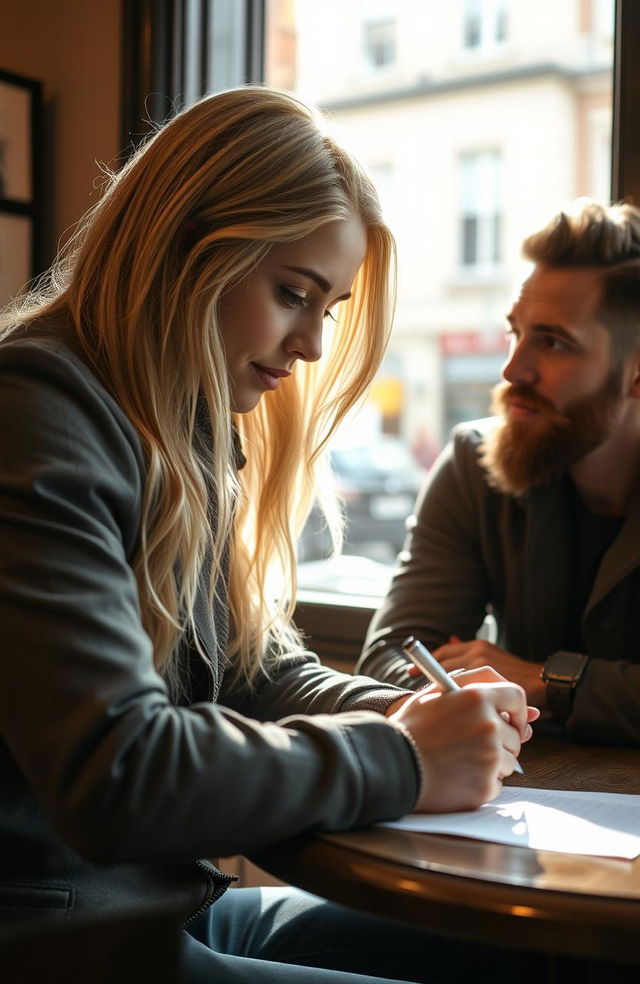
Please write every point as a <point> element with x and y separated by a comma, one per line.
<point>561,673</point>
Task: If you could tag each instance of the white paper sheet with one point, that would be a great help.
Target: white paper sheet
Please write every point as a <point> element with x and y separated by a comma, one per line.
<point>600,824</point>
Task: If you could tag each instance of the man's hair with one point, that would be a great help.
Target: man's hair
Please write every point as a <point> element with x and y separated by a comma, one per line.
<point>589,234</point>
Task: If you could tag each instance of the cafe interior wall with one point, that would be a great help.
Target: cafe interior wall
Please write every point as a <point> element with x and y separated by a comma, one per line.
<point>74,48</point>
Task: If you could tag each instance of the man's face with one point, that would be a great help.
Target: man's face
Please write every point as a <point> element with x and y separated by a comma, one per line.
<point>562,395</point>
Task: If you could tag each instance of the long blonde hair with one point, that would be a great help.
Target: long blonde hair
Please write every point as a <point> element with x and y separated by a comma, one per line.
<point>191,214</point>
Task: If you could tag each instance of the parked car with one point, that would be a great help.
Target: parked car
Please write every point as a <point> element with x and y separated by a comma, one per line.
<point>378,483</point>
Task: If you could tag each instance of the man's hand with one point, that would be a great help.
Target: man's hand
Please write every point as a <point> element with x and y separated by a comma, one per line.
<point>468,740</point>
<point>457,655</point>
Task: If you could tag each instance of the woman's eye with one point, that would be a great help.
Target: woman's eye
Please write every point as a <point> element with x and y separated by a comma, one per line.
<point>291,297</point>
<point>330,314</point>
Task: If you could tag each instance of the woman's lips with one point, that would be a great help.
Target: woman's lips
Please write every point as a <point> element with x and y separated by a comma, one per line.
<point>270,376</point>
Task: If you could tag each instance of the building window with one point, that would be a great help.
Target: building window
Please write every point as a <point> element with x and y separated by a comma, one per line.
<point>484,25</point>
<point>480,212</point>
<point>379,43</point>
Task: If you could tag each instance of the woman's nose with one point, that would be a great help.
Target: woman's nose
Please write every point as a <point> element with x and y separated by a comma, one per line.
<point>306,344</point>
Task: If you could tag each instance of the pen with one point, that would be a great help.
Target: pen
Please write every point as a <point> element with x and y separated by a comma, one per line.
<point>429,665</point>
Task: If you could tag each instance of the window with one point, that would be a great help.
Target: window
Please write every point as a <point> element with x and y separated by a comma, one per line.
<point>484,25</point>
<point>378,26</point>
<point>379,43</point>
<point>480,212</point>
<point>472,24</point>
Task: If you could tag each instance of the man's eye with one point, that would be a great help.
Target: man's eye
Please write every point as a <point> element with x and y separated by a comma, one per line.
<point>556,344</point>
<point>291,298</point>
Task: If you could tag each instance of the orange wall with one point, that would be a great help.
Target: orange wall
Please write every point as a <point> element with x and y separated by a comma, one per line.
<point>73,48</point>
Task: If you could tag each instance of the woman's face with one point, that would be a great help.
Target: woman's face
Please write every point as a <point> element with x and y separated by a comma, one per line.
<point>275,315</point>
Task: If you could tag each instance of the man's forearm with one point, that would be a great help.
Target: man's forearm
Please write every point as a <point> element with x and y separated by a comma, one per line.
<point>388,664</point>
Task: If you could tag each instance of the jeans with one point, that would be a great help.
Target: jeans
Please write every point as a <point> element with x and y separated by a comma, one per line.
<point>283,935</point>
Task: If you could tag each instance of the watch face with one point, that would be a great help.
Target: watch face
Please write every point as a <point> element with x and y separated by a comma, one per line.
<point>565,666</point>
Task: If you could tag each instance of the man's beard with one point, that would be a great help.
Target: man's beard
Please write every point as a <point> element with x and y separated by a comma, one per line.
<point>521,454</point>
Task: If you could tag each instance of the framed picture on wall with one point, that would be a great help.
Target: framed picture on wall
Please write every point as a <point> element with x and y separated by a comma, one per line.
<point>20,187</point>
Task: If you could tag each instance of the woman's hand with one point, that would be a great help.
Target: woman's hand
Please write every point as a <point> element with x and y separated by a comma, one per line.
<point>468,739</point>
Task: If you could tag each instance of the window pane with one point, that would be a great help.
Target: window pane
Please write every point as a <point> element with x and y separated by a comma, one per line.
<point>226,44</point>
<point>469,240</point>
<point>489,116</point>
<point>472,23</point>
<point>379,43</point>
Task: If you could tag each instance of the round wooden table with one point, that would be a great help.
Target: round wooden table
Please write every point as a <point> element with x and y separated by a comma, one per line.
<point>552,903</point>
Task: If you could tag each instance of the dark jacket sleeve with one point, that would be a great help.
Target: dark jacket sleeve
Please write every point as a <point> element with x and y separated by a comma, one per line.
<point>300,684</point>
<point>606,708</point>
<point>440,587</point>
<point>121,772</point>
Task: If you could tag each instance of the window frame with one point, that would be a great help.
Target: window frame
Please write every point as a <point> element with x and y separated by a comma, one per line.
<point>625,137</point>
<point>159,72</point>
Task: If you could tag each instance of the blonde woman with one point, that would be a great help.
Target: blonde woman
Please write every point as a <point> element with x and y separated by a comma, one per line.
<point>165,405</point>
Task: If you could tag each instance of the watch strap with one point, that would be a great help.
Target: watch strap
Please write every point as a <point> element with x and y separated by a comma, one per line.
<point>560,694</point>
<point>561,684</point>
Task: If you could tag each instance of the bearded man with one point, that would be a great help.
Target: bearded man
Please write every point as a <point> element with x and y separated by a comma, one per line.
<point>534,513</point>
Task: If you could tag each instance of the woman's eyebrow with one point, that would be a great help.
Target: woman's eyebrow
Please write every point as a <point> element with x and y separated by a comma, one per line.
<point>318,279</point>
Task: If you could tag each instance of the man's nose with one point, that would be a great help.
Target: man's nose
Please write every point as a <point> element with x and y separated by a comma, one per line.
<point>521,366</point>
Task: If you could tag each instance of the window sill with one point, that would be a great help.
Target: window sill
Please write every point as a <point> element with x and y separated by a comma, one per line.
<point>334,626</point>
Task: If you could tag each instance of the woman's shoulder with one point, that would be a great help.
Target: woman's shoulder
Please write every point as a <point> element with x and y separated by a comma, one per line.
<point>46,386</point>
<point>34,355</point>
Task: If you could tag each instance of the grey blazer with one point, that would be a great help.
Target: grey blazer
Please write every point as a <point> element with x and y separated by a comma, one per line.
<point>469,547</point>
<point>111,792</point>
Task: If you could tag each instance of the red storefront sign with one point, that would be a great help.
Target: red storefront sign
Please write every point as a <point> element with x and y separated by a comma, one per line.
<point>454,343</point>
